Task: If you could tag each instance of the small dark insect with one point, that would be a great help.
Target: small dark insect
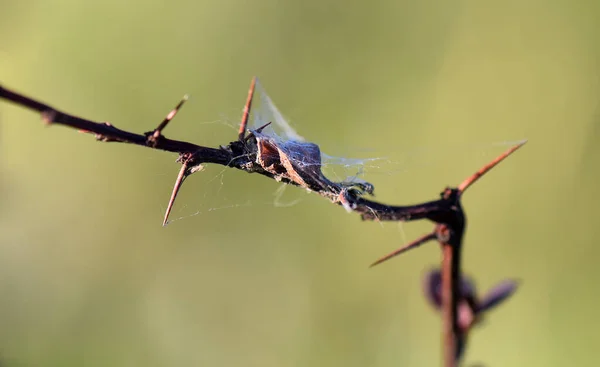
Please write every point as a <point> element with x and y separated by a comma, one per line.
<point>470,307</point>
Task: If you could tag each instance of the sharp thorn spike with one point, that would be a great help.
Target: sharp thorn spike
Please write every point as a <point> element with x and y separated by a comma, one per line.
<point>416,243</point>
<point>259,130</point>
<point>477,175</point>
<point>169,117</point>
<point>183,173</point>
<point>246,113</point>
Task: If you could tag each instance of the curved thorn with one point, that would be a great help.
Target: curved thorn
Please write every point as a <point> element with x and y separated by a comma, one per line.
<point>477,175</point>
<point>246,113</point>
<point>416,243</point>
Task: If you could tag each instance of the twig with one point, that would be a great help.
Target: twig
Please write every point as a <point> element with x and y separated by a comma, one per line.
<point>254,153</point>
<point>449,231</point>
<point>259,153</point>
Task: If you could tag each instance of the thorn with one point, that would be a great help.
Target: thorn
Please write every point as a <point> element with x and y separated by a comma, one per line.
<point>183,173</point>
<point>170,116</point>
<point>48,116</point>
<point>259,130</point>
<point>246,113</point>
<point>477,175</point>
<point>416,243</point>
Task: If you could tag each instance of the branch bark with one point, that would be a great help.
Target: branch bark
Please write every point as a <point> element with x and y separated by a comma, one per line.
<point>242,154</point>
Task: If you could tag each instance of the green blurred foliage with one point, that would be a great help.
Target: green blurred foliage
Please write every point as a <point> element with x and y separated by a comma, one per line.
<point>89,277</point>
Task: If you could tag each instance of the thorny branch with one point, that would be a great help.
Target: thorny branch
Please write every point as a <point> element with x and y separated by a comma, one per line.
<point>299,164</point>
<point>253,152</point>
<point>451,223</point>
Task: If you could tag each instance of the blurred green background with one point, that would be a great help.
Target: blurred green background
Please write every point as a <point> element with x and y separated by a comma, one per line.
<point>89,277</point>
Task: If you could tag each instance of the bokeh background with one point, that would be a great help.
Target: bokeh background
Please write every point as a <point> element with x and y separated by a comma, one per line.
<point>89,277</point>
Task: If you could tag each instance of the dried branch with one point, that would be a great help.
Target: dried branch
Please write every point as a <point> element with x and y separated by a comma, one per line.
<point>299,164</point>
<point>109,133</point>
<point>449,231</point>
<point>254,153</point>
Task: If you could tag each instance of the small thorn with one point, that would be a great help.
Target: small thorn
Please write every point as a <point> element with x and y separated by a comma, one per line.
<point>246,113</point>
<point>156,133</point>
<point>48,116</point>
<point>259,130</point>
<point>477,175</point>
<point>183,173</point>
<point>416,243</point>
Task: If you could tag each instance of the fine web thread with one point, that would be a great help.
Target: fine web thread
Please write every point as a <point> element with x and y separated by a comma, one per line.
<point>335,168</point>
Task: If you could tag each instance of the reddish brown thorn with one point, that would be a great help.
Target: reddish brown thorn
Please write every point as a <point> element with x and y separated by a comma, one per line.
<point>246,113</point>
<point>416,243</point>
<point>170,115</point>
<point>477,175</point>
<point>183,173</point>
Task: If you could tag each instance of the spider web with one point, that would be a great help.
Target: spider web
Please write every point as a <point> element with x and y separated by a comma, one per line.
<point>221,185</point>
<point>221,191</point>
<point>336,168</point>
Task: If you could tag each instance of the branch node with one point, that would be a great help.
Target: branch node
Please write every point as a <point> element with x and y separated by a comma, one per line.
<point>443,233</point>
<point>343,199</point>
<point>48,116</point>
